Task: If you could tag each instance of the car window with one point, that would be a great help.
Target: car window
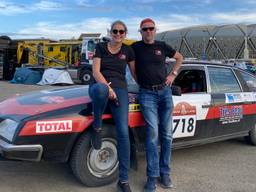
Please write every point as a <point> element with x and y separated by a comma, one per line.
<point>132,85</point>
<point>250,80</point>
<point>191,81</point>
<point>223,80</point>
<point>91,45</point>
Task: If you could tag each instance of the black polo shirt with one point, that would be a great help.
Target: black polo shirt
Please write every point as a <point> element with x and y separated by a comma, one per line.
<point>113,66</point>
<point>150,62</point>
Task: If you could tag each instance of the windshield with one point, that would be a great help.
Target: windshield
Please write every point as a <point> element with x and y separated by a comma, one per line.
<point>91,45</point>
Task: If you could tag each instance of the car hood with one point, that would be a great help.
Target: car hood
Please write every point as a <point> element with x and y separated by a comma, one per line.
<point>38,102</point>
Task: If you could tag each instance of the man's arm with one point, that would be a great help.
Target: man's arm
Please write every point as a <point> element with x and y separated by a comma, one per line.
<point>172,75</point>
<point>179,58</point>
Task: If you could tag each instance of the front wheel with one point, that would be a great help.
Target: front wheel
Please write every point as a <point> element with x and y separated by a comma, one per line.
<point>86,77</point>
<point>96,167</point>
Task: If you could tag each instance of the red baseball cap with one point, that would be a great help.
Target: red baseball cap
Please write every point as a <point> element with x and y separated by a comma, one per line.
<point>146,21</point>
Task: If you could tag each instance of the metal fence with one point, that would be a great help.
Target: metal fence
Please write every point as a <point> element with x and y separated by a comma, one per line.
<point>236,41</point>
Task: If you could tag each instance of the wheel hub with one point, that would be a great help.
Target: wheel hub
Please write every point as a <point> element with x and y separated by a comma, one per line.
<point>104,155</point>
<point>103,162</point>
<point>86,77</point>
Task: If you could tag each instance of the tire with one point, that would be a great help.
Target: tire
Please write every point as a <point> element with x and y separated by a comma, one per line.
<point>86,77</point>
<point>251,138</point>
<point>96,167</point>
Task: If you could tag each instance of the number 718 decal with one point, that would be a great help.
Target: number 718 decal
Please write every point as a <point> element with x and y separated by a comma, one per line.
<point>184,126</point>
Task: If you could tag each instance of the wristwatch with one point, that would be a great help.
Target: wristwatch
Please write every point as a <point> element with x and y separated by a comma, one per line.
<point>175,73</point>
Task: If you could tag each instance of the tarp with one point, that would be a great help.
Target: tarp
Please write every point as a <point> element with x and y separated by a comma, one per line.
<point>26,76</point>
<point>55,76</point>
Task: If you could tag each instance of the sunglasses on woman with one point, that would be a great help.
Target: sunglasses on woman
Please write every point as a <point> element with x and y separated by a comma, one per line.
<point>116,31</point>
<point>148,28</point>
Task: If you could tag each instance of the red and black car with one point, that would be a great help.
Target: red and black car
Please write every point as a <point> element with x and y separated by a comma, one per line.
<point>218,102</point>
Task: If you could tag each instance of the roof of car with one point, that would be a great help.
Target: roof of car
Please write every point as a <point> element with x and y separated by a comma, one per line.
<point>201,62</point>
<point>204,62</point>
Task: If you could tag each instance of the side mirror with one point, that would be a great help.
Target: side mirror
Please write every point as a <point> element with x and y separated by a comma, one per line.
<point>176,90</point>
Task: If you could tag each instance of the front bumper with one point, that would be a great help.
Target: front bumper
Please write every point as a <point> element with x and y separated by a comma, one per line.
<point>21,152</point>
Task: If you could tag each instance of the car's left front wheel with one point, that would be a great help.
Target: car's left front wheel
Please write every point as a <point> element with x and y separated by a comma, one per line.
<point>96,167</point>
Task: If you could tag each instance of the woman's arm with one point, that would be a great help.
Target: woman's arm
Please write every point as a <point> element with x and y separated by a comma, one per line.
<point>96,71</point>
<point>100,78</point>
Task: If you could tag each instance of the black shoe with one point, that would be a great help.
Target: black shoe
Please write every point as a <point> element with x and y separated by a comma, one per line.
<point>96,139</point>
<point>150,185</point>
<point>165,181</point>
<point>123,187</point>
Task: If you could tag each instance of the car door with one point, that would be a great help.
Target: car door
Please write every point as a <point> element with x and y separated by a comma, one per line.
<point>189,124</point>
<point>248,82</point>
<point>227,99</point>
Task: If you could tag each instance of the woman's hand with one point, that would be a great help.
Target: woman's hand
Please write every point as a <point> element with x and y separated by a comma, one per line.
<point>112,94</point>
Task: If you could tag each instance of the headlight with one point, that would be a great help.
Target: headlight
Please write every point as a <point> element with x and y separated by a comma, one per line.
<point>8,128</point>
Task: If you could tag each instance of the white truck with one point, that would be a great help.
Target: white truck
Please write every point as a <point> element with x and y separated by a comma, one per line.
<point>84,71</point>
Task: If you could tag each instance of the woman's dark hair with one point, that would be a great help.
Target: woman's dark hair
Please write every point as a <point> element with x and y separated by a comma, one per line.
<point>120,23</point>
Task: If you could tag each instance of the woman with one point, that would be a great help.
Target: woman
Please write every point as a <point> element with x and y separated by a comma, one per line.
<point>109,66</point>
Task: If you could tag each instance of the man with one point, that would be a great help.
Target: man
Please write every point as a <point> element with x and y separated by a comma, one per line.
<point>155,100</point>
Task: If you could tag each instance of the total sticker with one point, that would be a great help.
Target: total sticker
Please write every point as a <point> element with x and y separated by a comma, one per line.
<point>53,126</point>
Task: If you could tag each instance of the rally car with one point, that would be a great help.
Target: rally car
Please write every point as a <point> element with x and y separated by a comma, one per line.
<point>217,102</point>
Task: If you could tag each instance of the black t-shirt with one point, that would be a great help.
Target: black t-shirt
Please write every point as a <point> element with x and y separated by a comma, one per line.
<point>113,66</point>
<point>150,62</point>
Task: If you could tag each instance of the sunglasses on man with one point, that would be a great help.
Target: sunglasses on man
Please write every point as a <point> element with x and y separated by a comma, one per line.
<point>147,28</point>
<point>116,31</point>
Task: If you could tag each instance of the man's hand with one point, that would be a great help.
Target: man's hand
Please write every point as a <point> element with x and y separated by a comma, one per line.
<point>169,79</point>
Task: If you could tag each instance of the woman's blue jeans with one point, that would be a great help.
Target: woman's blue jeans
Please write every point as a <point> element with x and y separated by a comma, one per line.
<point>156,107</point>
<point>99,94</point>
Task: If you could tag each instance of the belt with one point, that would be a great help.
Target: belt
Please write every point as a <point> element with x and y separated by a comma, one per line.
<point>154,87</point>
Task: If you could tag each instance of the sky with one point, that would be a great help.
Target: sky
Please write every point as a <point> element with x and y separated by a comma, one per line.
<point>67,19</point>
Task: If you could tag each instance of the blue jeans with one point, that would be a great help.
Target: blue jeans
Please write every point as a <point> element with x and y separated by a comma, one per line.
<point>99,94</point>
<point>156,107</point>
